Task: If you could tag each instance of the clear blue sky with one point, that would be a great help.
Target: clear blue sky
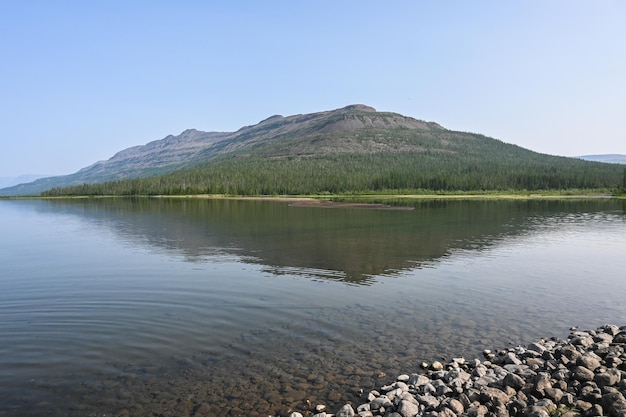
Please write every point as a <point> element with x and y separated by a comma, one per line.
<point>81,80</point>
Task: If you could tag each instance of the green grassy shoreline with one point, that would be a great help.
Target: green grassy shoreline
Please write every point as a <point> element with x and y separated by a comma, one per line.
<point>426,195</point>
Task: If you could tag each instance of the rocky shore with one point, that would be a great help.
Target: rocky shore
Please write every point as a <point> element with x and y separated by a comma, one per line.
<point>581,376</point>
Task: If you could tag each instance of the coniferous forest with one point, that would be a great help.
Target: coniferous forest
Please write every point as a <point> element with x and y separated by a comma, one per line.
<point>385,172</point>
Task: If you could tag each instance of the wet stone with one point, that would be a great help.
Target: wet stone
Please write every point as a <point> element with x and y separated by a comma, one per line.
<point>589,361</point>
<point>536,412</point>
<point>582,405</point>
<point>456,406</point>
<point>511,358</point>
<point>569,352</point>
<point>535,362</point>
<point>514,381</point>
<point>477,411</point>
<point>401,386</point>
<point>542,381</point>
<point>428,401</point>
<point>500,411</point>
<point>446,412</point>
<point>581,373</point>
<point>345,411</point>
<point>620,337</point>
<point>494,396</point>
<point>610,377</point>
<point>555,394</point>
<point>407,409</point>
<point>418,380</point>
<point>536,347</point>
<point>614,403</point>
<point>379,402</point>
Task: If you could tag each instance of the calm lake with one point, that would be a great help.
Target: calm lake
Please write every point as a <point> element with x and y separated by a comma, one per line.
<point>176,307</point>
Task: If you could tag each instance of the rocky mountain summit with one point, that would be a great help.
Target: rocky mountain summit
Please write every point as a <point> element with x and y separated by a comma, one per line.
<point>582,376</point>
<point>169,151</point>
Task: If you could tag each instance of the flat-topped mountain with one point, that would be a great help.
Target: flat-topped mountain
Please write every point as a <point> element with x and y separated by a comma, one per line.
<point>354,148</point>
<point>192,146</point>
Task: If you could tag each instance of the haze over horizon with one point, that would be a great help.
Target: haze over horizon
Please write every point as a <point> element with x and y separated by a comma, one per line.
<point>86,80</point>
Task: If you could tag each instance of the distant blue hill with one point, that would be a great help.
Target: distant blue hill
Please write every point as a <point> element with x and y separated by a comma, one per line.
<point>22,179</point>
<point>609,158</point>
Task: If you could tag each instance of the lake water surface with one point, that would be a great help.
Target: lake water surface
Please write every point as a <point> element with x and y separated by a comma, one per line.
<point>181,307</point>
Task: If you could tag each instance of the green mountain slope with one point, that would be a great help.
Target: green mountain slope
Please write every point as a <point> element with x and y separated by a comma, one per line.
<point>354,148</point>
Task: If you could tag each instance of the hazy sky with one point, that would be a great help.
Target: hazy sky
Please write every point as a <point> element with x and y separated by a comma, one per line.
<point>81,80</point>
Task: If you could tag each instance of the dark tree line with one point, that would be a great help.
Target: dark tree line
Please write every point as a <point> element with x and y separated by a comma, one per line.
<point>434,170</point>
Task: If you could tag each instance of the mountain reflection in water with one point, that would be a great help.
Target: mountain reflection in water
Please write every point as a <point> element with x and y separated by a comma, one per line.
<point>349,245</point>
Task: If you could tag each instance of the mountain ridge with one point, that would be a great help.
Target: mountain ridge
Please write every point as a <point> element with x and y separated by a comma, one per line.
<point>357,136</point>
<point>193,146</point>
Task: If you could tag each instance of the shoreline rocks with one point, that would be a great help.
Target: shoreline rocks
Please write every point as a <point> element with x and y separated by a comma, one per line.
<point>581,376</point>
